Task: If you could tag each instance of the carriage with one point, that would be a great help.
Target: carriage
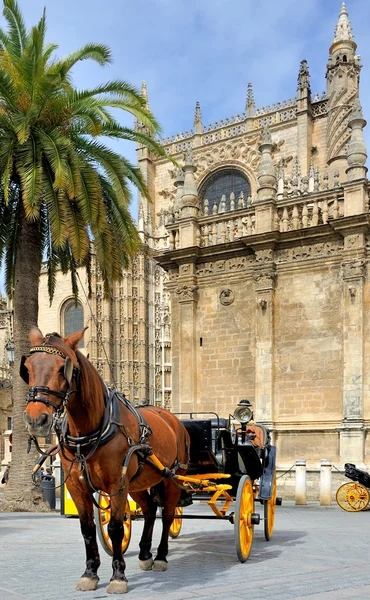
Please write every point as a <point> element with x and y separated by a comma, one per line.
<point>231,460</point>
<point>353,497</point>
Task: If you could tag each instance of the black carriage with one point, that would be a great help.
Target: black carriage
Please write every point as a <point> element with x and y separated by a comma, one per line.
<point>230,461</point>
<point>353,497</point>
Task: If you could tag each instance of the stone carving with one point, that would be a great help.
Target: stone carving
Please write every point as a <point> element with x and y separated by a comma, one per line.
<point>243,150</point>
<point>266,255</point>
<point>227,297</point>
<point>184,269</point>
<point>265,279</point>
<point>187,293</point>
<point>354,269</point>
<point>309,251</point>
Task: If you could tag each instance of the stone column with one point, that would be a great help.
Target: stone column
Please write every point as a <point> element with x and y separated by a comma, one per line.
<point>264,276</point>
<point>355,189</point>
<point>186,294</point>
<point>266,193</point>
<point>352,430</point>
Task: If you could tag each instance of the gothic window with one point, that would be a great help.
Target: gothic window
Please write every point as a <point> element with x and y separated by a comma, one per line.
<point>228,189</point>
<point>72,318</point>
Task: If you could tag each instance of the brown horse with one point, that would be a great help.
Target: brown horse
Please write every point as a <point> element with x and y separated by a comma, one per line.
<point>60,376</point>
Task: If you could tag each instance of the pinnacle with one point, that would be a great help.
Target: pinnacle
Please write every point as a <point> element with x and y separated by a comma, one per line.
<point>343,30</point>
<point>198,119</point>
<point>250,100</point>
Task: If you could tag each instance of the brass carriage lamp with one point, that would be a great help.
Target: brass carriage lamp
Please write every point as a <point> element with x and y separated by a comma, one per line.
<point>243,413</point>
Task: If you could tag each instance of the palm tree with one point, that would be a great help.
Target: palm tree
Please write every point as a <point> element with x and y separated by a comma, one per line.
<point>61,188</point>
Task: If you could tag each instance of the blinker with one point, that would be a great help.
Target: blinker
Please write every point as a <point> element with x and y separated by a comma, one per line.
<point>23,371</point>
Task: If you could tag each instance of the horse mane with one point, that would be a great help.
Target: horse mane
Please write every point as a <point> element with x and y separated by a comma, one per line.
<point>92,384</point>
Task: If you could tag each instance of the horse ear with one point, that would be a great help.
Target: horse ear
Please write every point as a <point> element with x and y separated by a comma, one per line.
<point>23,371</point>
<point>74,339</point>
<point>36,336</point>
<point>68,370</point>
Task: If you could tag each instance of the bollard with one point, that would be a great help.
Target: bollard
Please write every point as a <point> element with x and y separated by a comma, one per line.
<point>300,482</point>
<point>325,482</point>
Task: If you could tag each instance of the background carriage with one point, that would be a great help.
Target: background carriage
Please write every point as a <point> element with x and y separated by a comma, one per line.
<point>228,463</point>
<point>355,496</point>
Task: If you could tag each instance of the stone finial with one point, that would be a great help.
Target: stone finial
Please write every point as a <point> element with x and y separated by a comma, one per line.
<point>249,106</point>
<point>266,136</point>
<point>303,77</point>
<point>198,119</point>
<point>139,125</point>
<point>266,172</point>
<point>356,155</point>
<point>179,185</point>
<point>190,200</point>
<point>343,30</point>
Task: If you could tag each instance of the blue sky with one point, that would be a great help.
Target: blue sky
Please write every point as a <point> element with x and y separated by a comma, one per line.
<point>206,50</point>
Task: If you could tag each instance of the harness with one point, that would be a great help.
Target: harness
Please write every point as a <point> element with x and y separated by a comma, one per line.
<point>83,447</point>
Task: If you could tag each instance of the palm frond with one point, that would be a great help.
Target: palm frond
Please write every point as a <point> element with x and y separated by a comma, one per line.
<point>17,38</point>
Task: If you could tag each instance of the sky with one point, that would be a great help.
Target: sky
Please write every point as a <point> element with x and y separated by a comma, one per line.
<point>205,50</point>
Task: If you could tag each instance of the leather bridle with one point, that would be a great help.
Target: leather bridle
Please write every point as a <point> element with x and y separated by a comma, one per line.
<point>71,372</point>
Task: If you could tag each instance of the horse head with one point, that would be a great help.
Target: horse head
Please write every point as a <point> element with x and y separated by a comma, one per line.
<point>50,371</point>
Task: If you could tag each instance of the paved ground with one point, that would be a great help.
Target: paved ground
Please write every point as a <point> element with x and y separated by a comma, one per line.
<point>316,553</point>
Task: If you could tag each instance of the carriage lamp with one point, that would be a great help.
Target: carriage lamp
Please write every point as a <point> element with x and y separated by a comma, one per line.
<point>243,413</point>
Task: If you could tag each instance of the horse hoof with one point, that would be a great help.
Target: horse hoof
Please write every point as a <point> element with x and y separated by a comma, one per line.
<point>85,584</point>
<point>146,565</point>
<point>160,565</point>
<point>117,587</point>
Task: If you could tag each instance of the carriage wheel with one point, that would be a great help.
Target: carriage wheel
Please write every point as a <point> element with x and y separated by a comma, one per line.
<point>176,523</point>
<point>102,518</point>
<point>352,497</point>
<point>269,507</point>
<point>243,526</point>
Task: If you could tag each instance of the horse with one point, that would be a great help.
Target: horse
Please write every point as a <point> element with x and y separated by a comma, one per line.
<point>105,444</point>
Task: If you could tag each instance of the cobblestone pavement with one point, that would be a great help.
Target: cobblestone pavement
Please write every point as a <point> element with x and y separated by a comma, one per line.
<point>316,553</point>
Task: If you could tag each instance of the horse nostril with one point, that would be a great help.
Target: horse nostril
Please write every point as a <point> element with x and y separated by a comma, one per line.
<point>27,418</point>
<point>42,419</point>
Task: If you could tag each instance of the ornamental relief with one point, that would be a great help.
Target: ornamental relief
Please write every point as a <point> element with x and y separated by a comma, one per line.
<point>310,251</point>
<point>338,131</point>
<point>233,265</point>
<point>265,279</point>
<point>245,151</point>
<point>354,269</point>
<point>187,293</point>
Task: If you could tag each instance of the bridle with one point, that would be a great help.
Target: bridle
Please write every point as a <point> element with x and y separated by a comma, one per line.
<point>71,372</point>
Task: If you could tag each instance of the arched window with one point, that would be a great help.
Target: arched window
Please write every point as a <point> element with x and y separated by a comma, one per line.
<point>228,189</point>
<point>72,318</point>
<point>344,58</point>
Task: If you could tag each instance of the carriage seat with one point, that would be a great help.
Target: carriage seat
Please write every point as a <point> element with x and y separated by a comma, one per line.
<point>202,446</point>
<point>259,435</point>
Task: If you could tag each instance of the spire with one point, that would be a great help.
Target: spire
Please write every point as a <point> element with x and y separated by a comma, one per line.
<point>144,93</point>
<point>303,78</point>
<point>139,125</point>
<point>198,119</point>
<point>343,30</point>
<point>249,106</point>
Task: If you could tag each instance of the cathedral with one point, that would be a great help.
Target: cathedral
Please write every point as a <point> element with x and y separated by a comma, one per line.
<point>253,278</point>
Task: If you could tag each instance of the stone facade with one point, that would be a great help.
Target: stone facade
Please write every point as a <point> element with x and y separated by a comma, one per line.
<point>270,294</point>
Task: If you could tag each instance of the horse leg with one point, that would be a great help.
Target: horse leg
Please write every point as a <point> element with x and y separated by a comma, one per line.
<point>89,580</point>
<point>118,582</point>
<point>171,498</point>
<point>149,509</point>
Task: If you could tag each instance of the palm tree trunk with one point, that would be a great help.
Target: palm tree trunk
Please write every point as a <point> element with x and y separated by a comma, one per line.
<point>21,494</point>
